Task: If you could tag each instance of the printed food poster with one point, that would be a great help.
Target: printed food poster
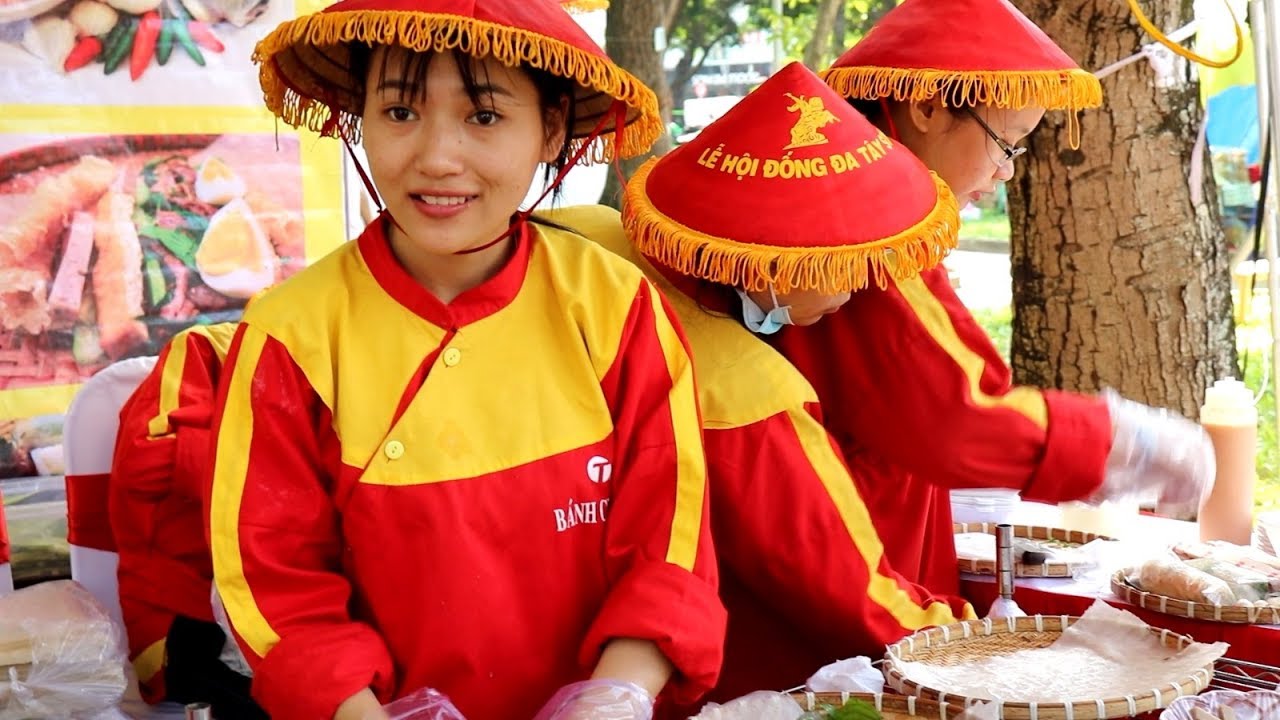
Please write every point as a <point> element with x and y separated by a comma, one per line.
<point>143,188</point>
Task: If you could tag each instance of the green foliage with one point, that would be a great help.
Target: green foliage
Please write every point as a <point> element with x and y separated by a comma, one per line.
<point>799,18</point>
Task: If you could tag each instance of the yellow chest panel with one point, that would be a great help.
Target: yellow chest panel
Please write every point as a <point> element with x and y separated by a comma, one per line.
<point>518,386</point>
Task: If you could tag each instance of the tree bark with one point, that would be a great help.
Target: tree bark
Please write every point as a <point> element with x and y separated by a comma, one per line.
<point>629,41</point>
<point>815,54</point>
<point>1119,279</point>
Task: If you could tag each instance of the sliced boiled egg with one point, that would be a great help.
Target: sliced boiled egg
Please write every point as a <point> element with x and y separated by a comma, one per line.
<point>217,183</point>
<point>235,257</point>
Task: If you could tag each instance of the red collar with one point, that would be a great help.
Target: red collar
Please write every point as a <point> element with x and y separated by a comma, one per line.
<point>475,304</point>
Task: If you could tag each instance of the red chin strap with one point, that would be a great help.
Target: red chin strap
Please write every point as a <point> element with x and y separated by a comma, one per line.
<point>617,113</point>
<point>888,117</point>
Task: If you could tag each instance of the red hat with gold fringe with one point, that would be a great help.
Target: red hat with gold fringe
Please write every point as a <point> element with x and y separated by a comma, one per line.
<point>306,77</point>
<point>971,52</point>
<point>791,188</point>
<point>585,5</point>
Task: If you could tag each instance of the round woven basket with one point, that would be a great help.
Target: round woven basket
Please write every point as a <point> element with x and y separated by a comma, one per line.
<point>891,707</point>
<point>1030,532</point>
<point>1188,609</point>
<point>966,642</point>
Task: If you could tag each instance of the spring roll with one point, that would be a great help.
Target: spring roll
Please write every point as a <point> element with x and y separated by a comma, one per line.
<point>22,300</point>
<point>31,239</point>
<point>117,276</point>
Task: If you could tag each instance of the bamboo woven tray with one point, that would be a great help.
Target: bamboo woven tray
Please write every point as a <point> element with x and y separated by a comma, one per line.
<point>891,707</point>
<point>1188,609</point>
<point>976,639</point>
<point>1030,532</point>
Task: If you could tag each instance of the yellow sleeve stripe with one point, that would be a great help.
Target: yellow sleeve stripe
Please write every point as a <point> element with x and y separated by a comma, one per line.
<point>881,589</point>
<point>1027,401</point>
<point>171,375</point>
<point>691,462</point>
<point>175,366</point>
<point>230,470</point>
<point>149,661</point>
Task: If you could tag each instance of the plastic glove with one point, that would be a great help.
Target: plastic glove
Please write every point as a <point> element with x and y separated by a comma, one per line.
<point>598,700</point>
<point>1156,449</point>
<point>423,704</point>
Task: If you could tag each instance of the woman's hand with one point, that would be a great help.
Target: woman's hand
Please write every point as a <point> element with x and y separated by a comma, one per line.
<point>363,705</point>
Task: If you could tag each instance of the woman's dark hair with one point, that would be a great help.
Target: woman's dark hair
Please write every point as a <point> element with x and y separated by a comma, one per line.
<point>873,110</point>
<point>553,90</point>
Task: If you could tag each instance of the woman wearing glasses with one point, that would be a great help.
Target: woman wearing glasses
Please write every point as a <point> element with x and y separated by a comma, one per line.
<point>913,390</point>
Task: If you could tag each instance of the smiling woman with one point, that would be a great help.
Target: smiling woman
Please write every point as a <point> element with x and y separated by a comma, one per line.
<point>401,498</point>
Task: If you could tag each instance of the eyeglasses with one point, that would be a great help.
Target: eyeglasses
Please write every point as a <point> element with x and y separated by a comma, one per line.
<point>1010,152</point>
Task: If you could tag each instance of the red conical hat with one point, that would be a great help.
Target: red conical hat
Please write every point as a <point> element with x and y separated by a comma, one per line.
<point>971,52</point>
<point>791,188</point>
<point>307,82</point>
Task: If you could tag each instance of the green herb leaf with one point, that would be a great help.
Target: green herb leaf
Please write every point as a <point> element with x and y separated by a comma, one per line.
<point>180,243</point>
<point>856,710</point>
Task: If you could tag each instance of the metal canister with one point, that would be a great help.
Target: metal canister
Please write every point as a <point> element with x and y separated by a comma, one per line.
<point>1004,560</point>
<point>199,711</point>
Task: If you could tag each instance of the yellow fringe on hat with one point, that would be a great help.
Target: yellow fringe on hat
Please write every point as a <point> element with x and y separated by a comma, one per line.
<point>428,32</point>
<point>1072,89</point>
<point>828,270</point>
<point>585,5</point>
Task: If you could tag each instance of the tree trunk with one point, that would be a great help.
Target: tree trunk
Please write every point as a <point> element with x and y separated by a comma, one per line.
<point>816,54</point>
<point>839,35</point>
<point>629,41</point>
<point>1119,279</point>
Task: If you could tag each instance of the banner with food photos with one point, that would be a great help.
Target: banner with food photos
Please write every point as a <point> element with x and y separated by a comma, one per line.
<point>143,188</point>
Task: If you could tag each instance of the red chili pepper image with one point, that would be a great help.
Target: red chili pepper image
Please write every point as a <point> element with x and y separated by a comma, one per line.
<point>85,50</point>
<point>204,37</point>
<point>144,44</point>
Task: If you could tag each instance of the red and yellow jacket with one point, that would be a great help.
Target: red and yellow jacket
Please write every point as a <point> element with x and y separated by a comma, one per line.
<point>158,474</point>
<point>474,497</point>
<point>806,578</point>
<point>921,401</point>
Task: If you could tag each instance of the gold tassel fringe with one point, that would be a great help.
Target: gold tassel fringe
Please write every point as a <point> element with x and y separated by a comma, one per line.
<point>753,267</point>
<point>331,109</point>
<point>1050,89</point>
<point>585,5</point>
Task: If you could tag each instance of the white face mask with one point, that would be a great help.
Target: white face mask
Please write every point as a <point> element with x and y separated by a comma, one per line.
<point>760,322</point>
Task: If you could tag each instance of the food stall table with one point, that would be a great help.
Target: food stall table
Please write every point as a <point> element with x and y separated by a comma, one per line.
<point>1072,596</point>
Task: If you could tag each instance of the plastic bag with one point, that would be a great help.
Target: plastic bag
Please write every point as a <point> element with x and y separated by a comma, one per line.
<point>423,704</point>
<point>1003,608</point>
<point>61,655</point>
<point>851,675</point>
<point>1257,705</point>
<point>760,705</point>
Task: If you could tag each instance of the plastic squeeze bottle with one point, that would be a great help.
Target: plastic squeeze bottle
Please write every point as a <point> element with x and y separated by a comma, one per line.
<point>1230,418</point>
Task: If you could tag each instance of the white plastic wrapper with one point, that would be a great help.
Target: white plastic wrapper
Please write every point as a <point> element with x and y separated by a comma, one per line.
<point>851,675</point>
<point>424,704</point>
<point>981,711</point>
<point>761,705</point>
<point>61,655</point>
<point>1225,705</point>
<point>1002,609</point>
